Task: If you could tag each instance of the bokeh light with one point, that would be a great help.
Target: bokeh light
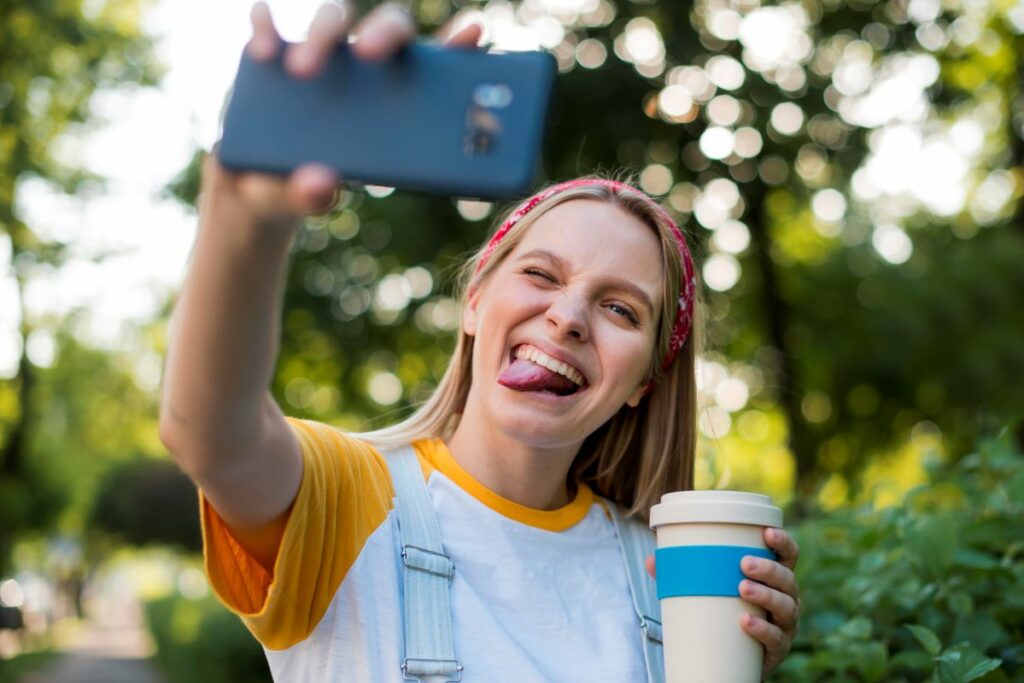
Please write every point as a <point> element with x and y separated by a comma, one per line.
<point>774,37</point>
<point>787,118</point>
<point>473,210</point>
<point>723,110</point>
<point>725,72</point>
<point>748,142</point>
<point>591,53</point>
<point>892,243</point>
<point>716,142</point>
<point>656,179</point>
<point>721,272</point>
<point>641,44</point>
<point>732,237</point>
<point>384,388</point>
<point>829,205</point>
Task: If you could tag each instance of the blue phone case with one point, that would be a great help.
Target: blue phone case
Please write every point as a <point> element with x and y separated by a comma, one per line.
<point>441,120</point>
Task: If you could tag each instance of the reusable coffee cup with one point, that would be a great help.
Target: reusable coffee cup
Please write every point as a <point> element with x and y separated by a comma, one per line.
<point>702,536</point>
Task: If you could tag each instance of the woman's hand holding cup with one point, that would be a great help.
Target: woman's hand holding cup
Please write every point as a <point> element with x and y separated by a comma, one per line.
<point>265,201</point>
<point>772,585</point>
<point>779,596</point>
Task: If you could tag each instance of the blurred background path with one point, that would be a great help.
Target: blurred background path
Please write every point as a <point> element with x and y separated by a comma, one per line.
<point>111,646</point>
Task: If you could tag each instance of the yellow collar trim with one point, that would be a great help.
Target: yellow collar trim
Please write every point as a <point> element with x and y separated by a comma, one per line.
<point>438,457</point>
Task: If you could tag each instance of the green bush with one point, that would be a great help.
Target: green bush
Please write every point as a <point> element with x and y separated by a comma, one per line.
<point>148,501</point>
<point>929,591</point>
<point>199,641</point>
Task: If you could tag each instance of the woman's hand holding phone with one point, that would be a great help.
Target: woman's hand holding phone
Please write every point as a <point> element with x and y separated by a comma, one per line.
<point>217,416</point>
<point>261,200</point>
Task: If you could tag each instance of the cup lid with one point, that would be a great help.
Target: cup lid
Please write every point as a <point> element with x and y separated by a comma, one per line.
<point>723,507</point>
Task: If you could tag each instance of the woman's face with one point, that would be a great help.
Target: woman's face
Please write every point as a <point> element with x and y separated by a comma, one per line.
<point>583,288</point>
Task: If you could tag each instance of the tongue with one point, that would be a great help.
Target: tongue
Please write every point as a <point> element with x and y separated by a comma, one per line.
<point>523,375</point>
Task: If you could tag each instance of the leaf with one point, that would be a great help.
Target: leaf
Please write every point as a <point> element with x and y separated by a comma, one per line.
<point>966,557</point>
<point>932,542</point>
<point>960,603</point>
<point>858,628</point>
<point>981,668</point>
<point>964,663</point>
<point>929,641</point>
<point>871,661</point>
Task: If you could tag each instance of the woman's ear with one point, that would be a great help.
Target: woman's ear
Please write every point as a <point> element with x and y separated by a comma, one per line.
<point>469,313</point>
<point>634,399</point>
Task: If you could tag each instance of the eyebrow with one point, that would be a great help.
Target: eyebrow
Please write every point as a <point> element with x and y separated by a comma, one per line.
<point>614,282</point>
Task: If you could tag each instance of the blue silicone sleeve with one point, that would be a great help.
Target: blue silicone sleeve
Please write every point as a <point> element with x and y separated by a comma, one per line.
<point>695,570</point>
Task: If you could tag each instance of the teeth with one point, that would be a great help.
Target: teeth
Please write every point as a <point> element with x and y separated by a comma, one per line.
<point>534,355</point>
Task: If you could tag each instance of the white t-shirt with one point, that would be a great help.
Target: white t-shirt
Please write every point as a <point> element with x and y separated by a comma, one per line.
<point>537,595</point>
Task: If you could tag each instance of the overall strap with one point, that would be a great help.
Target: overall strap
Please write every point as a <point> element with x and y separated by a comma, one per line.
<point>636,541</point>
<point>427,575</point>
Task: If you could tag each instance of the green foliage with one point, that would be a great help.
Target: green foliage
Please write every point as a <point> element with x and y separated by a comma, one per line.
<point>53,58</point>
<point>148,501</point>
<point>86,414</point>
<point>26,665</point>
<point>198,641</point>
<point>932,590</point>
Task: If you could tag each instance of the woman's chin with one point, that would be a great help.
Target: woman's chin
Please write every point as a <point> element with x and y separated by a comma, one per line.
<point>540,429</point>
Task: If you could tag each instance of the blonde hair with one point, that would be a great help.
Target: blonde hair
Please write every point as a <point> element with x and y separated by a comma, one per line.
<point>639,453</point>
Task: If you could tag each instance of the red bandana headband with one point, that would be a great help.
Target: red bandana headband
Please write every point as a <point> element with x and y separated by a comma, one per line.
<point>687,286</point>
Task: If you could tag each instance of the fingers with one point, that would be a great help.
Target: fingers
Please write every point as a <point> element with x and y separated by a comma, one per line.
<point>773,587</point>
<point>776,643</point>
<point>649,563</point>
<point>265,39</point>
<point>308,190</point>
<point>770,572</point>
<point>782,607</point>
<point>467,36</point>
<point>311,189</point>
<point>388,28</point>
<point>330,25</point>
<point>783,545</point>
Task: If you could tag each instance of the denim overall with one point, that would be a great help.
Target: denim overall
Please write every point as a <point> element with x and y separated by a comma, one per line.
<point>427,575</point>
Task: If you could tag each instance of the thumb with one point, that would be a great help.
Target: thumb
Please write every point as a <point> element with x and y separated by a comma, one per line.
<point>311,189</point>
<point>649,563</point>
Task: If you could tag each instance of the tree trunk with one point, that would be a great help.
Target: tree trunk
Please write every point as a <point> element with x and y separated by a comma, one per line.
<point>13,454</point>
<point>777,316</point>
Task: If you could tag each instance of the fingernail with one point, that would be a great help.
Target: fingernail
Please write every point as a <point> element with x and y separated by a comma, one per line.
<point>747,588</point>
<point>751,563</point>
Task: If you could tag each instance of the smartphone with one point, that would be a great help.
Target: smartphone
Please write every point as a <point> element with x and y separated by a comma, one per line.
<point>449,121</point>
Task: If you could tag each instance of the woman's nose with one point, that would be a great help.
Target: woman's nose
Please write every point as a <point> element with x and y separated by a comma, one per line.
<point>568,315</point>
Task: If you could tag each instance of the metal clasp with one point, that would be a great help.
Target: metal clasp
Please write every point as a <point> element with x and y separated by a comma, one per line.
<point>651,628</point>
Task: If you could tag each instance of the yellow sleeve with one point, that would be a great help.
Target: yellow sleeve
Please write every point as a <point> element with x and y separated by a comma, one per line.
<point>345,494</point>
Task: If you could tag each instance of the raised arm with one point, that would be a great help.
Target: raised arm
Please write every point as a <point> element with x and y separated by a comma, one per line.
<point>217,416</point>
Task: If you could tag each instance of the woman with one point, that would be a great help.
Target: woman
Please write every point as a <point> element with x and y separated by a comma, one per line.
<point>573,375</point>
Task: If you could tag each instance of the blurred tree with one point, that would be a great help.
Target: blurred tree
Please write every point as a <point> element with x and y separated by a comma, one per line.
<point>87,414</point>
<point>53,56</point>
<point>850,173</point>
<point>147,501</point>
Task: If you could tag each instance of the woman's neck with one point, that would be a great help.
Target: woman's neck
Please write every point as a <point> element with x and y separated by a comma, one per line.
<point>525,474</point>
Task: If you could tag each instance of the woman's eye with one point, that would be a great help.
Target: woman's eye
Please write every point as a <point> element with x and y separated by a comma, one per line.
<point>540,273</point>
<point>624,312</point>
